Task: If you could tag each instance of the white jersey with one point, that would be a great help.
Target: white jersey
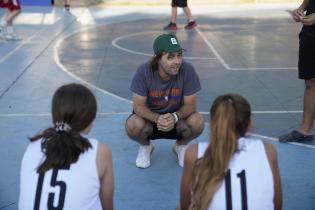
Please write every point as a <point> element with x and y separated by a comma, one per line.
<point>77,187</point>
<point>249,180</point>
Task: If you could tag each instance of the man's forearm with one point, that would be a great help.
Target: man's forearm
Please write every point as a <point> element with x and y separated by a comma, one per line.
<point>146,113</point>
<point>185,111</point>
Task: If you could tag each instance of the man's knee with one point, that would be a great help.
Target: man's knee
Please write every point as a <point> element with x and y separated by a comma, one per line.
<point>192,126</point>
<point>137,128</point>
<point>196,122</point>
<point>134,125</point>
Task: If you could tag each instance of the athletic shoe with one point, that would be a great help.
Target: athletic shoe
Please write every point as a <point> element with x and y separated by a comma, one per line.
<point>13,37</point>
<point>171,26</point>
<point>179,151</point>
<point>295,136</point>
<point>144,156</point>
<point>191,25</point>
<point>67,7</point>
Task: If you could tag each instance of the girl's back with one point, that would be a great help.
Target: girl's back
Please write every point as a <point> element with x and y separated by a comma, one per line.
<point>73,187</point>
<point>249,181</point>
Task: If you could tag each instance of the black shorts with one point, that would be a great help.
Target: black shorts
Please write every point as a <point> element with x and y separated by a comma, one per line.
<point>179,3</point>
<point>306,54</point>
<point>157,134</point>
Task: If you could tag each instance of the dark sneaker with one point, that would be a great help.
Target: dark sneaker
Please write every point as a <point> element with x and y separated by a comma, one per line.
<point>171,26</point>
<point>191,25</point>
<point>67,7</point>
<point>295,136</point>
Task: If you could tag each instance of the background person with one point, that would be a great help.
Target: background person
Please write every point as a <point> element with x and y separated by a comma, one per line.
<point>6,25</point>
<point>306,72</point>
<point>67,5</point>
<point>234,170</point>
<point>61,167</point>
<point>191,23</point>
<point>164,101</point>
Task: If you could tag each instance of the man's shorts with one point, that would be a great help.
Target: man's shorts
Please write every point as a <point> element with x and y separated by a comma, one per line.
<point>306,54</point>
<point>157,134</point>
<point>179,3</point>
<point>11,5</point>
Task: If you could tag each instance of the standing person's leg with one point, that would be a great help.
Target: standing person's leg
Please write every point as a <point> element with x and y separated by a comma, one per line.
<point>188,14</point>
<point>11,15</point>
<point>307,73</point>
<point>14,9</point>
<point>308,107</point>
<point>191,23</point>
<point>174,15</point>
<point>67,5</point>
<point>172,24</point>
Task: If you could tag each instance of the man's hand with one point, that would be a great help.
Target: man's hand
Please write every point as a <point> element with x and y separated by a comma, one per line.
<point>308,20</point>
<point>297,15</point>
<point>166,122</point>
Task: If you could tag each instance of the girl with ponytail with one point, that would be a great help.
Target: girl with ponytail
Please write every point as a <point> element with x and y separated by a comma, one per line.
<point>234,170</point>
<point>61,167</point>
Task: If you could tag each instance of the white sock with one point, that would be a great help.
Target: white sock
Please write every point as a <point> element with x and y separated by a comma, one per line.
<point>10,30</point>
<point>3,23</point>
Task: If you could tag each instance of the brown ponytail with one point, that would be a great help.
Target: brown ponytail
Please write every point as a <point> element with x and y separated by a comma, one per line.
<point>230,117</point>
<point>74,105</point>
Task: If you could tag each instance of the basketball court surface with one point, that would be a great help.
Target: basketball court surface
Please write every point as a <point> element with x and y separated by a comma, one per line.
<point>251,50</point>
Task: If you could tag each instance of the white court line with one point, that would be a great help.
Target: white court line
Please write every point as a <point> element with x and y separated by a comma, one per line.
<point>227,67</point>
<point>115,44</point>
<point>56,57</point>
<point>4,58</point>
<point>264,68</point>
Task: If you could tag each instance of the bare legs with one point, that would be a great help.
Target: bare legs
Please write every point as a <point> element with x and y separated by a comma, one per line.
<point>139,130</point>
<point>188,14</point>
<point>11,16</point>
<point>308,107</point>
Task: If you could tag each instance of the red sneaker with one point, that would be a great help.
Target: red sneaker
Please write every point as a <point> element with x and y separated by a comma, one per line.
<point>171,26</point>
<point>191,25</point>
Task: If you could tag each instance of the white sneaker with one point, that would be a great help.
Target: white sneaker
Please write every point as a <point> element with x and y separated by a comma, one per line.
<point>179,151</point>
<point>144,156</point>
<point>13,37</point>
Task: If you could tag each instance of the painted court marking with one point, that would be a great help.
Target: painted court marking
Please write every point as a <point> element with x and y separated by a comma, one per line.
<point>209,44</point>
<point>21,44</point>
<point>115,44</point>
<point>227,66</point>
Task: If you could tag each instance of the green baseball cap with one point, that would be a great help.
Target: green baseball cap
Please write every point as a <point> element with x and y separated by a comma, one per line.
<point>167,43</point>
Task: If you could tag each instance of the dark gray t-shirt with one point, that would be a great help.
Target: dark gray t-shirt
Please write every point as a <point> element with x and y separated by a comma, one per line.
<point>165,96</point>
